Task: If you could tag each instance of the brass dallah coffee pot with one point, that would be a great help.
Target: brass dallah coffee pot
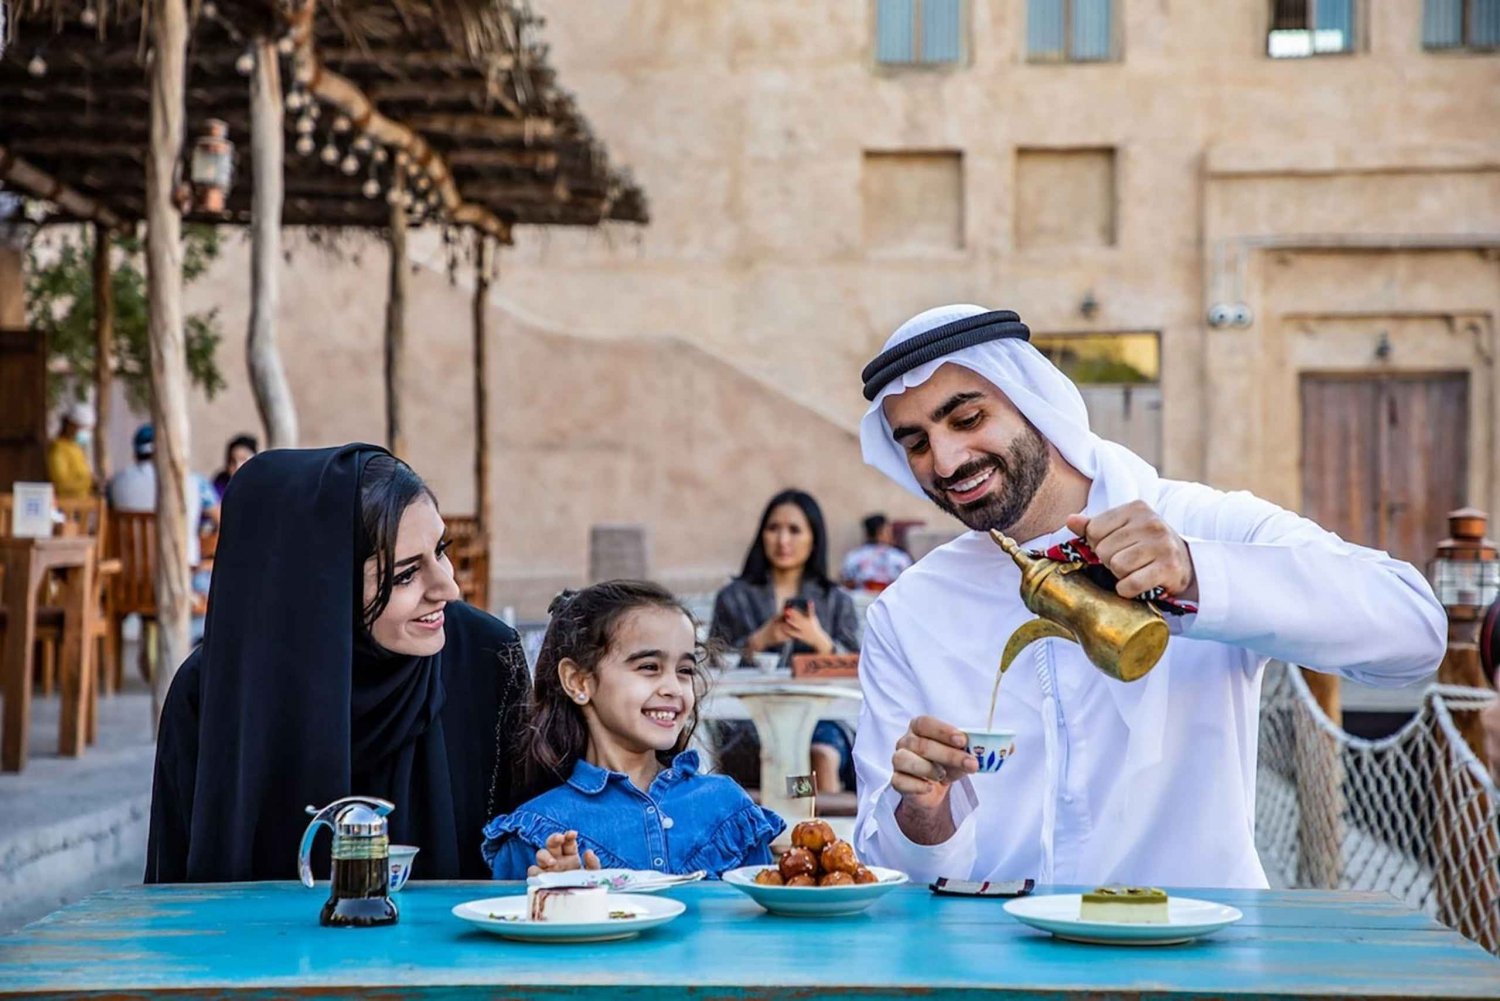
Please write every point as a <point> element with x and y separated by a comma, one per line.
<point>1121,637</point>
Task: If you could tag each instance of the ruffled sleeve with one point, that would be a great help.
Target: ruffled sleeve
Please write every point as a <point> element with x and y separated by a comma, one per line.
<point>742,838</point>
<point>511,841</point>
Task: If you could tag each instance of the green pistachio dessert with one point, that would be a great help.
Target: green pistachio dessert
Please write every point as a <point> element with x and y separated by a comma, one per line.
<point>1135,905</point>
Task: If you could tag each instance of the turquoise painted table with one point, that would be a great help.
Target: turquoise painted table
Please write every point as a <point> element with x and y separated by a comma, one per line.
<point>263,940</point>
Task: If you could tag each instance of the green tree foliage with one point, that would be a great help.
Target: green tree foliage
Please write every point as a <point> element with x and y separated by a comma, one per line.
<point>60,302</point>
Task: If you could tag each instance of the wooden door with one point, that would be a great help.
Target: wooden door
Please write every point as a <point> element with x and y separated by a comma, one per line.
<point>1386,457</point>
<point>23,417</point>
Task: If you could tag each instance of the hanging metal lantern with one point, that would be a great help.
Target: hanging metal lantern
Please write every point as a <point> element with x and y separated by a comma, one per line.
<point>212,170</point>
<point>1466,572</point>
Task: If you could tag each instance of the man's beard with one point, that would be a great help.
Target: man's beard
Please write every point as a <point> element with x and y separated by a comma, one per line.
<point>1020,472</point>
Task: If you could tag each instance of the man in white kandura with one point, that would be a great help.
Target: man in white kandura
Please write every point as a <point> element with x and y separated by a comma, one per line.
<point>1150,782</point>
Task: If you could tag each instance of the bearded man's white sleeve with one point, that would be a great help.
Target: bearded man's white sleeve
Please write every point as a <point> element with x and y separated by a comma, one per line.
<point>1277,584</point>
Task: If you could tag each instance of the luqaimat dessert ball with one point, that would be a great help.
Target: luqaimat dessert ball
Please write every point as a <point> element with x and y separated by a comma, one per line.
<point>835,865</point>
<point>798,862</point>
<point>814,835</point>
<point>839,857</point>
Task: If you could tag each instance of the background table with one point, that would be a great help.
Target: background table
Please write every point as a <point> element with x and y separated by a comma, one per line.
<point>26,563</point>
<point>263,940</point>
<point>785,712</point>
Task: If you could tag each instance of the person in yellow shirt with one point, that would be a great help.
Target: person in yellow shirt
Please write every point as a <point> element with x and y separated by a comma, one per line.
<point>67,456</point>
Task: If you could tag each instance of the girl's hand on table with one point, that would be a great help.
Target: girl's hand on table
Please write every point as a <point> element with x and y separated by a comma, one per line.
<point>561,855</point>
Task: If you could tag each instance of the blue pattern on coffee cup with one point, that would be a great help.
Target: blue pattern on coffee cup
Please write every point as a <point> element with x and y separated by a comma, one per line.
<point>990,758</point>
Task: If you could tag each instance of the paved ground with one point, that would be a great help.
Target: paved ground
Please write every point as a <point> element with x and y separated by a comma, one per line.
<point>70,826</point>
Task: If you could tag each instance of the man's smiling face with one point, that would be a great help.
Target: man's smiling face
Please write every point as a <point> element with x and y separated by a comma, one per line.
<point>970,449</point>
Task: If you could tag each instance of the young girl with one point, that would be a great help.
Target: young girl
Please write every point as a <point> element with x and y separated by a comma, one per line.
<point>615,703</point>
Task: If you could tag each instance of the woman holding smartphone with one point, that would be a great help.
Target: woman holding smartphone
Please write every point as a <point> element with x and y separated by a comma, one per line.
<point>784,603</point>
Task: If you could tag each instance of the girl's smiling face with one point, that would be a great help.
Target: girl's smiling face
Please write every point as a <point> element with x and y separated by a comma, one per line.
<point>641,695</point>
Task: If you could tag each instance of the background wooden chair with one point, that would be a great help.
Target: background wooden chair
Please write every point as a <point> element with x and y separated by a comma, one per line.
<point>132,589</point>
<point>470,554</point>
<point>91,517</point>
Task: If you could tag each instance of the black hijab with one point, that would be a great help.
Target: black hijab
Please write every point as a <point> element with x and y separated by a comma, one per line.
<point>290,702</point>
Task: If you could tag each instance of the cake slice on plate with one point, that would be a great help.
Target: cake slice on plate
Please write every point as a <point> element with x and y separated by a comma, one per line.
<point>1132,905</point>
<point>580,904</point>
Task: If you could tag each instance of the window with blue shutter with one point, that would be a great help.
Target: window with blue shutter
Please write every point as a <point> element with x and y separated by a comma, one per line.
<point>940,31</point>
<point>1484,29</point>
<point>895,37</point>
<point>911,32</point>
<point>1070,30</point>
<point>1311,28</point>
<point>1461,24</point>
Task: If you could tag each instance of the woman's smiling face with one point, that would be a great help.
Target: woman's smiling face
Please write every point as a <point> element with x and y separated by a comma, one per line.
<point>421,585</point>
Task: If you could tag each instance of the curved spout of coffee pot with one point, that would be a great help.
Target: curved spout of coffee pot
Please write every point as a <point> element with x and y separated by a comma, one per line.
<point>1029,633</point>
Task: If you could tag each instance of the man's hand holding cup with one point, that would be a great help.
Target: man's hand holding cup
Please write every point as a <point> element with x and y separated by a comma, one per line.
<point>929,758</point>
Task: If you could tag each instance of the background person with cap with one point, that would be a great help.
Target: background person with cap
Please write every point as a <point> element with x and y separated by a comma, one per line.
<point>133,489</point>
<point>68,464</point>
<point>1151,782</point>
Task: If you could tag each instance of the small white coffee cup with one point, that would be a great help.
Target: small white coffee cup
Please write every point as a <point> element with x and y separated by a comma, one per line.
<point>402,857</point>
<point>991,747</point>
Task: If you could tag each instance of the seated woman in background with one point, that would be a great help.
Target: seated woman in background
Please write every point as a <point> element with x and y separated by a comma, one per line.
<point>784,603</point>
<point>337,660</point>
<point>240,450</point>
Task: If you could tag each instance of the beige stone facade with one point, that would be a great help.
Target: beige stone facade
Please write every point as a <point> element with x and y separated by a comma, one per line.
<point>806,200</point>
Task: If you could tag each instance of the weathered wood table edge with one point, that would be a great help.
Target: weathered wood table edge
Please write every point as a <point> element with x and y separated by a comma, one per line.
<point>261,940</point>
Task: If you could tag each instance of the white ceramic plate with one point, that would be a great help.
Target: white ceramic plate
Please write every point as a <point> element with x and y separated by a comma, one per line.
<point>618,880</point>
<point>508,917</point>
<point>1058,913</point>
<point>814,901</point>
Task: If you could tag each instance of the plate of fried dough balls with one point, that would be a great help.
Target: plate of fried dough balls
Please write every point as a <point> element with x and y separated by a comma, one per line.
<point>820,877</point>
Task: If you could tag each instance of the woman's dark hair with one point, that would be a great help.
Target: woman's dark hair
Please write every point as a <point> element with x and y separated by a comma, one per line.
<point>240,441</point>
<point>583,626</point>
<point>387,487</point>
<point>757,569</point>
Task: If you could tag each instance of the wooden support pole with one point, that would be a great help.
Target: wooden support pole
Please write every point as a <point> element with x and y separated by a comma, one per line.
<point>169,377</point>
<point>481,387</point>
<point>273,396</point>
<point>395,316</point>
<point>104,347</point>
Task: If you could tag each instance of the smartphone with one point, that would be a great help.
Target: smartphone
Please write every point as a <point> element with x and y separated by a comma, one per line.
<point>800,604</point>
<point>974,888</point>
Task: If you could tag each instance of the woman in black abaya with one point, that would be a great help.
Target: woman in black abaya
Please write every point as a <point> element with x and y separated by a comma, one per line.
<point>337,660</point>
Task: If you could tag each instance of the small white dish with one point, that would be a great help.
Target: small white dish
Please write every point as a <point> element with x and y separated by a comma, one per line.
<point>509,918</point>
<point>1187,919</point>
<point>618,880</point>
<point>814,901</point>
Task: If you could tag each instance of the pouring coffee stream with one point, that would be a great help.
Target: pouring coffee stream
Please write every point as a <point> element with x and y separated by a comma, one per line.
<point>1121,637</point>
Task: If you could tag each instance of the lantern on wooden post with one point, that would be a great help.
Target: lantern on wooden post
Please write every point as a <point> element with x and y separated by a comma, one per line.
<point>1466,571</point>
<point>1466,579</point>
<point>212,167</point>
